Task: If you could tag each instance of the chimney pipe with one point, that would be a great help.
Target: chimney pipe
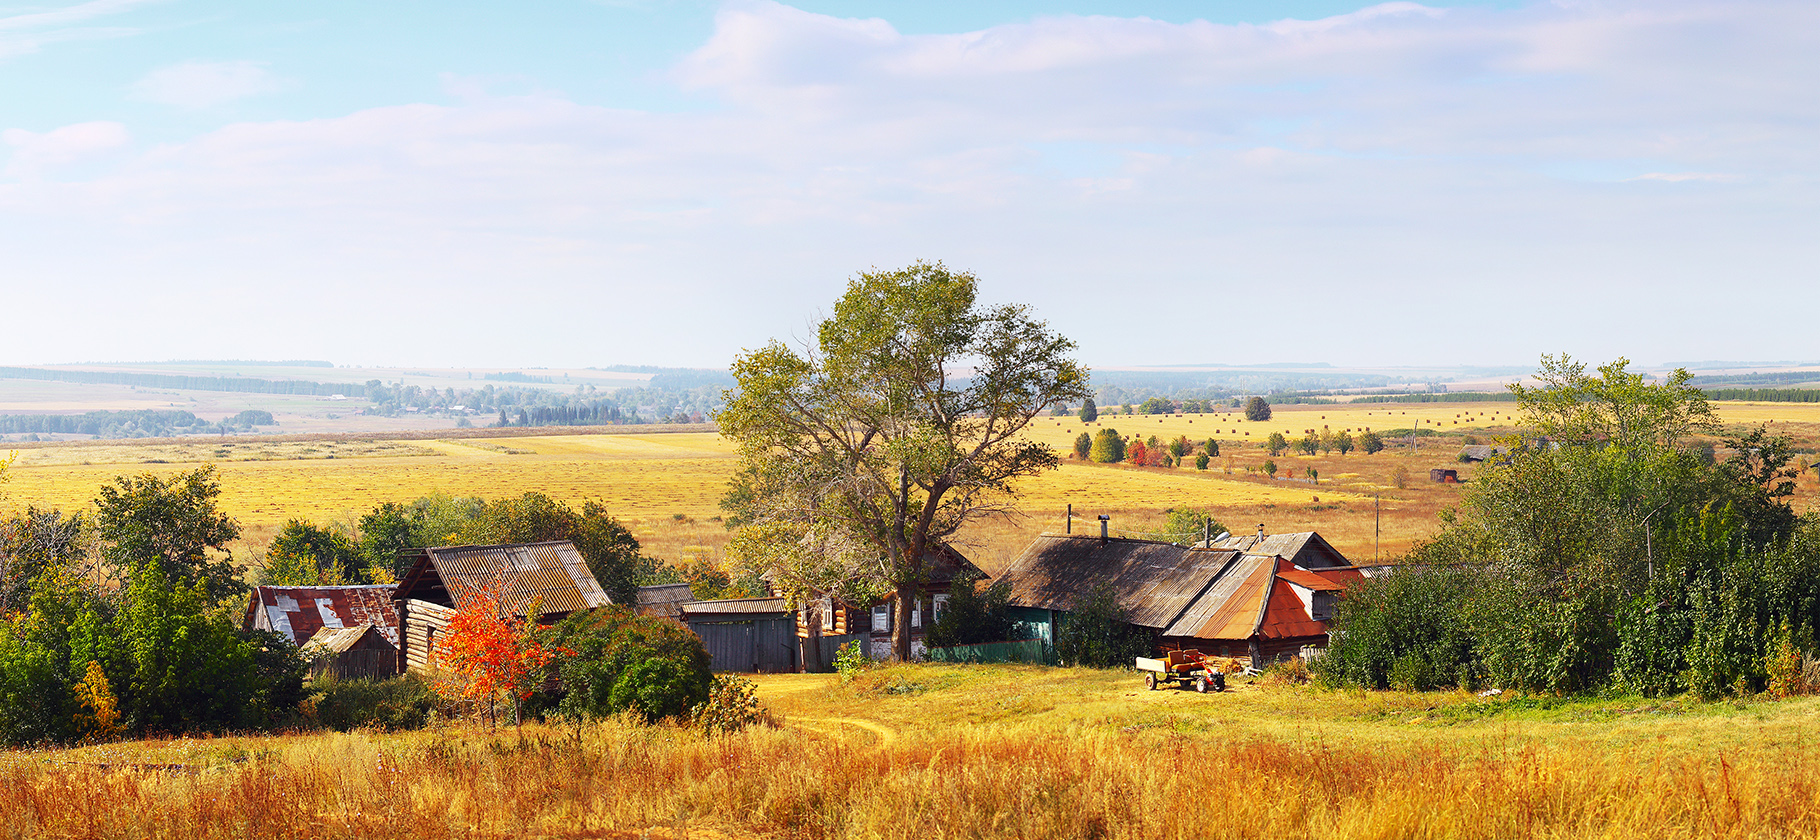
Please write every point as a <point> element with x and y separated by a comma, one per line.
<point>1103,519</point>
<point>1260,532</point>
<point>1207,532</point>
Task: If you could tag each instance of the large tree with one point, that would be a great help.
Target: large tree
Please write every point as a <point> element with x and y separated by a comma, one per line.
<point>901,423</point>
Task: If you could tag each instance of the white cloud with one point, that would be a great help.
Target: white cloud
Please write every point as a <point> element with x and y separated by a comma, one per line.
<point>34,153</point>
<point>1369,188</point>
<point>30,31</point>
<point>204,84</point>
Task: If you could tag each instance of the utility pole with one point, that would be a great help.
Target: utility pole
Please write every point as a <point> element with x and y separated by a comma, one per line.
<point>1069,528</point>
<point>1377,527</point>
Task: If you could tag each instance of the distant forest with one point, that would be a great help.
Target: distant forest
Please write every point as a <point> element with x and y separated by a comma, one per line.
<point>128,424</point>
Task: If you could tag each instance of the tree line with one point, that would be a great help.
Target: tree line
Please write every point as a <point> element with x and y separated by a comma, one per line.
<point>1622,556</point>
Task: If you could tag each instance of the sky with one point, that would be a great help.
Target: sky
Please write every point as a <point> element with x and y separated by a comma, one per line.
<point>568,184</point>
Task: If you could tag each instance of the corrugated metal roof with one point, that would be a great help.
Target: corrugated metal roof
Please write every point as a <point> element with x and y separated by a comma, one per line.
<point>339,639</point>
<point>1308,579</point>
<point>1307,549</point>
<point>664,598</point>
<point>1231,607</point>
<point>552,571</point>
<point>735,605</point>
<point>299,611</point>
<point>1155,581</point>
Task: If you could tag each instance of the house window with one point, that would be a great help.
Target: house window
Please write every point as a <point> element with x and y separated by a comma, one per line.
<point>916,614</point>
<point>881,618</point>
<point>429,646</point>
<point>941,603</point>
<point>826,608</point>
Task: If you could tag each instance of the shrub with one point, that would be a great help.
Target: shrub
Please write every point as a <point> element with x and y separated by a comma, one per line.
<point>732,705</point>
<point>1211,447</point>
<point>1097,632</point>
<point>622,662</point>
<point>1407,630</point>
<point>851,660</point>
<point>1089,412</point>
<point>1370,443</point>
<point>1083,446</point>
<point>971,616</point>
<point>1275,444</point>
<point>1257,409</point>
<point>1201,461</point>
<point>393,704</point>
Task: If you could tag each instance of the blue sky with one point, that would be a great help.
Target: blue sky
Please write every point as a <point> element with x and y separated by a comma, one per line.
<point>670,182</point>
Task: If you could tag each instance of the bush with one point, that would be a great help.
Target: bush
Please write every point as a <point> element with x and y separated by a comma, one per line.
<point>1257,409</point>
<point>971,616</point>
<point>1097,633</point>
<point>650,666</point>
<point>732,705</point>
<point>851,660</point>
<point>1407,630</point>
<point>392,704</point>
<point>1083,446</point>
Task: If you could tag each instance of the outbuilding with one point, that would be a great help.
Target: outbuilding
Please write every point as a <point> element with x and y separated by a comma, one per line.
<point>553,575</point>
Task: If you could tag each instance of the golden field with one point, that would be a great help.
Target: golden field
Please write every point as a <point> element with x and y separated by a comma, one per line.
<point>667,486</point>
<point>981,751</point>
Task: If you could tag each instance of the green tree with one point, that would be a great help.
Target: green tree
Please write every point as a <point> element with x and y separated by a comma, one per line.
<point>303,554</point>
<point>625,662</point>
<point>172,522</point>
<point>1275,444</point>
<point>1180,447</point>
<point>1097,632</point>
<point>1211,447</point>
<point>1083,446</point>
<point>1185,525</point>
<point>973,615</point>
<point>1343,442</point>
<point>1108,447</point>
<point>1156,405</point>
<point>1201,461</point>
<point>1257,409</point>
<point>1270,468</point>
<point>868,435</point>
<point>1089,412</point>
<point>1309,443</point>
<point>1370,443</point>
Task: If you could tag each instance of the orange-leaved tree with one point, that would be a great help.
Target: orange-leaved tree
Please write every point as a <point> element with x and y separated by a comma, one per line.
<point>494,649</point>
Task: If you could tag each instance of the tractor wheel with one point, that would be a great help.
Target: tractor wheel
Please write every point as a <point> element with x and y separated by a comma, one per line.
<point>1201,684</point>
<point>1150,682</point>
<point>1219,682</point>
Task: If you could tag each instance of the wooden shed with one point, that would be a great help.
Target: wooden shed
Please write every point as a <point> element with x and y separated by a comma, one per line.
<point>299,612</point>
<point>349,653</point>
<point>745,634</point>
<point>443,580</point>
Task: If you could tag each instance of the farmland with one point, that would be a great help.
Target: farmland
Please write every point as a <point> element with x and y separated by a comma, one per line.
<point>667,486</point>
<point>981,751</point>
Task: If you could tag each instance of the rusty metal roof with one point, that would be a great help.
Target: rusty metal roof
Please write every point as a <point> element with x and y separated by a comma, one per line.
<point>1155,581</point>
<point>1307,549</point>
<point>1231,607</point>
<point>299,611</point>
<point>729,606</point>
<point>552,571</point>
<point>341,639</point>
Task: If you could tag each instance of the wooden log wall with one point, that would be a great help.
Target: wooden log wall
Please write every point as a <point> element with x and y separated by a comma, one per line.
<point>420,618</point>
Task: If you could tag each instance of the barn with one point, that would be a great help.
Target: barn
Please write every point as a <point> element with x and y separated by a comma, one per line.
<point>745,634</point>
<point>442,580</point>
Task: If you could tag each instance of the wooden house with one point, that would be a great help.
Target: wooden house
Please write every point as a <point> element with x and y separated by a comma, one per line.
<point>745,634</point>
<point>1230,599</point>
<point>443,580</point>
<point>871,622</point>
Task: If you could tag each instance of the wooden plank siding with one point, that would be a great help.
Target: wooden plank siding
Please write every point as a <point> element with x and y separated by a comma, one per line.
<point>420,618</point>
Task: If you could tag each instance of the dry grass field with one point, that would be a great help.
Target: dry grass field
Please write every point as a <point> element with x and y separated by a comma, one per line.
<point>981,751</point>
<point>667,486</point>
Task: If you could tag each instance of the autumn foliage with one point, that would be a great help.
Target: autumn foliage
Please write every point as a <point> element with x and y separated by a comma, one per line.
<point>492,650</point>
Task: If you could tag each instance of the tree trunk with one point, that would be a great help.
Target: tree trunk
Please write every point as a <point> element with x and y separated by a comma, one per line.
<point>812,646</point>
<point>900,626</point>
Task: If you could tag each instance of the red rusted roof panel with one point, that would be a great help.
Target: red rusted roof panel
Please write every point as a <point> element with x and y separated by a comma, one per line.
<point>300,611</point>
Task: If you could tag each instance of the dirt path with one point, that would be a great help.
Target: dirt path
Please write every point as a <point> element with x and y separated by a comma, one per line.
<point>885,733</point>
